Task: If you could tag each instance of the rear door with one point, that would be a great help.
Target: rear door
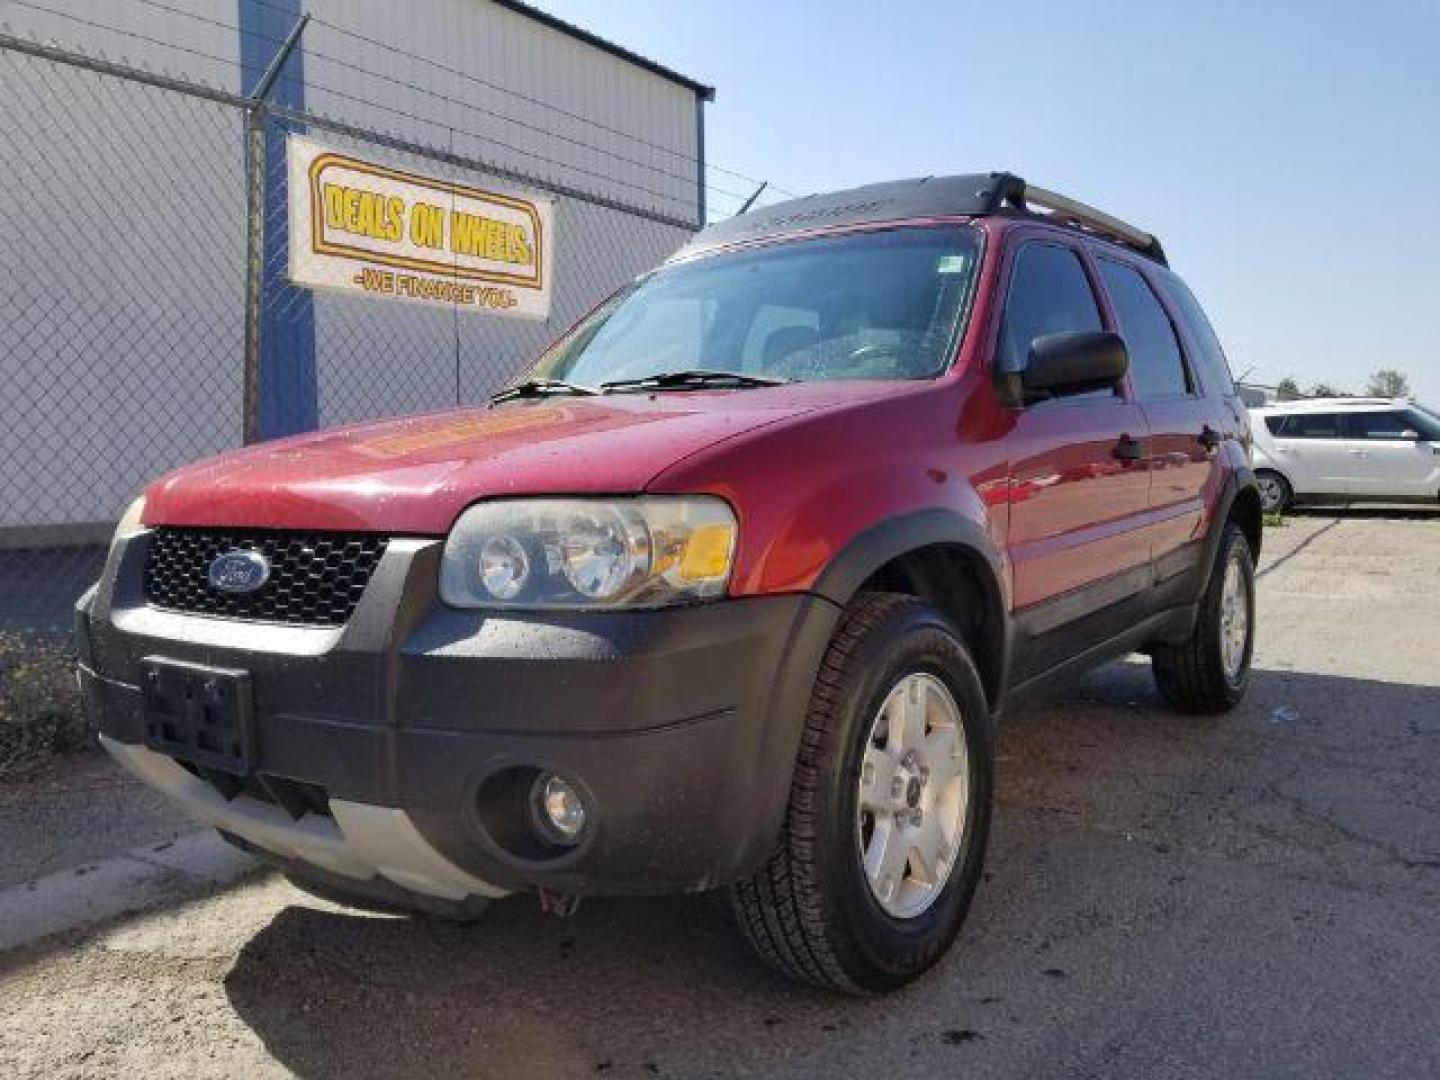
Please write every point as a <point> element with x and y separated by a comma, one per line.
<point>1393,454</point>
<point>1184,438</point>
<point>1076,492</point>
<point>1313,444</point>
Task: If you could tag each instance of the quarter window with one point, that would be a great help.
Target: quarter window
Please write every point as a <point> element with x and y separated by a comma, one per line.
<point>1049,294</point>
<point>1212,357</point>
<point>1157,369</point>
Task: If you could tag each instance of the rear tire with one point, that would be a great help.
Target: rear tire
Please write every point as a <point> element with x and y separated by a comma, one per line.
<point>818,910</point>
<point>1276,494</point>
<point>1209,671</point>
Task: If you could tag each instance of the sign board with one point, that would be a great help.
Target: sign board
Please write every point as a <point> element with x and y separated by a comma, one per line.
<point>361,227</point>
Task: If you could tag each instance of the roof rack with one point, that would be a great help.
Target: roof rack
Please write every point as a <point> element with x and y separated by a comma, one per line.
<point>1340,399</point>
<point>974,194</point>
<point>1013,191</point>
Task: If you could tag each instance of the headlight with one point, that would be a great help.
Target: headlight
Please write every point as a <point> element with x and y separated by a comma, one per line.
<point>589,553</point>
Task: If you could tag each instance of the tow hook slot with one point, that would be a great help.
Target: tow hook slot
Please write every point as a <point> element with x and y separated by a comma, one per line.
<point>561,905</point>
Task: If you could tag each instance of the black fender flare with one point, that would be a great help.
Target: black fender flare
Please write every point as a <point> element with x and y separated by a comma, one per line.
<point>1241,479</point>
<point>887,540</point>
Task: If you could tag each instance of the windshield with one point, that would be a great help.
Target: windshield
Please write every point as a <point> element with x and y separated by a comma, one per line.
<point>875,305</point>
<point>1426,420</point>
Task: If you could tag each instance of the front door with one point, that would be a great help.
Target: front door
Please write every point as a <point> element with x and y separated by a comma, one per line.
<point>1393,454</point>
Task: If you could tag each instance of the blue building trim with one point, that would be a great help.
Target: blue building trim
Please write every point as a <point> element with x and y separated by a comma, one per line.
<point>289,395</point>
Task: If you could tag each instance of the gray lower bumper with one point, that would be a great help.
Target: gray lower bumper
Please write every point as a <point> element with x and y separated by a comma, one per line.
<point>360,842</point>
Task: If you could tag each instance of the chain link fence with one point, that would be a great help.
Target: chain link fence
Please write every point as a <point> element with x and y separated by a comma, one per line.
<point>145,266</point>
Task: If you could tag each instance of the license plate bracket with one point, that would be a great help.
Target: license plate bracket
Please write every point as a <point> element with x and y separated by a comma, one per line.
<point>199,714</point>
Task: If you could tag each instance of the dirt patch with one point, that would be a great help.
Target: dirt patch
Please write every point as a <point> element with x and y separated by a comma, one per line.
<point>40,708</point>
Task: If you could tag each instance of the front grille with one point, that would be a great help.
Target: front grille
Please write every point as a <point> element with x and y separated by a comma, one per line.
<point>316,578</point>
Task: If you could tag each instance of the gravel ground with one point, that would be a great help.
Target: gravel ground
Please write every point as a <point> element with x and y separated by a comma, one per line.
<point>1251,896</point>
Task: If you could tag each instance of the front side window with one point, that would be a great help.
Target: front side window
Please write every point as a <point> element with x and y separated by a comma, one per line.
<point>872,305</point>
<point>1378,425</point>
<point>1156,367</point>
<point>1394,425</point>
<point>1049,294</point>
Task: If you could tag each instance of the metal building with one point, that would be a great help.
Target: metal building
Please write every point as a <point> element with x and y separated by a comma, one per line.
<point>123,336</point>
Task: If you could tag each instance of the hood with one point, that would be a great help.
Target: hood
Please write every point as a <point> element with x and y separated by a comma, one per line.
<point>415,475</point>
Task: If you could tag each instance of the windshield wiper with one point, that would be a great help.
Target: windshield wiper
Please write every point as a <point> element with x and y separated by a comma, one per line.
<point>540,388</point>
<point>694,379</point>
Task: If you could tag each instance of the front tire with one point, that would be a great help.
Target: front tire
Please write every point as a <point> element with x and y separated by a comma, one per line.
<point>1276,494</point>
<point>889,808</point>
<point>1210,670</point>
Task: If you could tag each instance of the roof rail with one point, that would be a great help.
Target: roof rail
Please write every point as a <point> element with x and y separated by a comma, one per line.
<point>1015,192</point>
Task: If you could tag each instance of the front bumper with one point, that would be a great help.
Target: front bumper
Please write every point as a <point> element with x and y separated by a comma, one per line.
<point>679,726</point>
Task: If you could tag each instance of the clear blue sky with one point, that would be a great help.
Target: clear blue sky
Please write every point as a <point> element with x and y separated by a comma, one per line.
<point>1287,154</point>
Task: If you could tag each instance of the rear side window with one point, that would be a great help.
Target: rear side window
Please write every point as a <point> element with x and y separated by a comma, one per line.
<point>1214,370</point>
<point>1049,293</point>
<point>1305,426</point>
<point>1157,368</point>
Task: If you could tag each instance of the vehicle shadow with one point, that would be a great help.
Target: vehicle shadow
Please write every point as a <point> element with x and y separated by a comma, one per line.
<point>1369,511</point>
<point>1107,801</point>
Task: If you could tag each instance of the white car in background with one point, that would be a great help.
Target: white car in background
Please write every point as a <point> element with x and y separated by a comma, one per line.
<point>1346,450</point>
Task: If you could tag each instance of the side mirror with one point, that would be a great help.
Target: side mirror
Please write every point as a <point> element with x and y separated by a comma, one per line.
<point>1073,362</point>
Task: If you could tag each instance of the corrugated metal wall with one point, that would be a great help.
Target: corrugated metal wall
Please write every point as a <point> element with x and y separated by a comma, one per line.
<point>636,143</point>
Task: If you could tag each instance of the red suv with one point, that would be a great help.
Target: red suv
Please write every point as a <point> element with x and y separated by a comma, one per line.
<point>729,591</point>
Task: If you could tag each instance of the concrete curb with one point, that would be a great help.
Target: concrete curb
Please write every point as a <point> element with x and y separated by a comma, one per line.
<point>140,878</point>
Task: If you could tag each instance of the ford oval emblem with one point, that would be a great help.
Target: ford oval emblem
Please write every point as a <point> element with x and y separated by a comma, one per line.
<point>239,571</point>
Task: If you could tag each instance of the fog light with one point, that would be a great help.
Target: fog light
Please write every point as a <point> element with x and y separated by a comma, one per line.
<point>559,810</point>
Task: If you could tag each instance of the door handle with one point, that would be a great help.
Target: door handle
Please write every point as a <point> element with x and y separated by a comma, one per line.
<point>1209,438</point>
<point>1128,449</point>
